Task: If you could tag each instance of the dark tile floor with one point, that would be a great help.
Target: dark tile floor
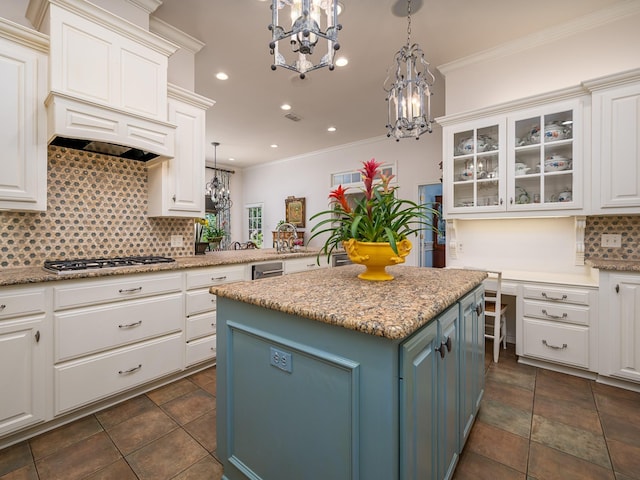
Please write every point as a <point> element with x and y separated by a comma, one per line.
<point>533,425</point>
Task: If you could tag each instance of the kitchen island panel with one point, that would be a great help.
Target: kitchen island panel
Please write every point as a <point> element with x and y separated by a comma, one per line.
<point>331,417</point>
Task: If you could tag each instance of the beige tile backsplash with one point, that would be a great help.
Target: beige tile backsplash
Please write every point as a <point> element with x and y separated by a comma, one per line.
<point>96,207</point>
<point>628,226</point>
<point>97,204</point>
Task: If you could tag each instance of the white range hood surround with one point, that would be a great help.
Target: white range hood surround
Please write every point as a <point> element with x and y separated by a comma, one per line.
<point>108,82</point>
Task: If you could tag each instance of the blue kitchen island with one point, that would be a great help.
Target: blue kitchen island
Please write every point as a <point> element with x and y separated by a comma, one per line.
<point>321,375</point>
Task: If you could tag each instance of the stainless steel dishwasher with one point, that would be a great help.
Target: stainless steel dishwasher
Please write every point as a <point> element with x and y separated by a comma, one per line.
<point>266,270</point>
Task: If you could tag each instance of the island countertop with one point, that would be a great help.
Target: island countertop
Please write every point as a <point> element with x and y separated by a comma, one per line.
<point>391,309</point>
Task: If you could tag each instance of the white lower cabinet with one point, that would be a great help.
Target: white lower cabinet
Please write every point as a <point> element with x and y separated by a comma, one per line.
<point>620,325</point>
<point>200,310</point>
<point>557,324</point>
<point>25,343</point>
<point>91,378</point>
<point>113,334</point>
<point>302,265</point>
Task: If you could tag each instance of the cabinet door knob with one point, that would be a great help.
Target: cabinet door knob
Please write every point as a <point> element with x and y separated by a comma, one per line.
<point>37,336</point>
<point>441,350</point>
<point>173,198</point>
<point>617,289</point>
<point>501,201</point>
<point>448,344</point>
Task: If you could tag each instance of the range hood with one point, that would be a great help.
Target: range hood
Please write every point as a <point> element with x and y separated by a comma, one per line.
<point>108,83</point>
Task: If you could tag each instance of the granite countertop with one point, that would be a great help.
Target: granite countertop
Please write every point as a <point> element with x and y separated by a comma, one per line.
<point>24,275</point>
<point>615,265</point>
<point>393,309</point>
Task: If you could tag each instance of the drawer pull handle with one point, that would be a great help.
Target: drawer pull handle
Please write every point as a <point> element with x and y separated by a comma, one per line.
<point>555,347</point>
<point>564,315</point>
<point>2,307</point>
<point>217,279</point>
<point>564,297</point>
<point>130,290</point>
<point>131,370</point>
<point>131,325</point>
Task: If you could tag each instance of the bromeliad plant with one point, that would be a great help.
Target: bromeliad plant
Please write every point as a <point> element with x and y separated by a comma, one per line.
<point>377,217</point>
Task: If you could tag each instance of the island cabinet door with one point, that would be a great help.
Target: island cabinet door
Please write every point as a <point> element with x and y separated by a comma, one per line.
<point>429,400</point>
<point>471,354</point>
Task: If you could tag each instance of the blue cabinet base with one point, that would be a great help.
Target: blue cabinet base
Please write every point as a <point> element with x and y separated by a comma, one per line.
<point>300,399</point>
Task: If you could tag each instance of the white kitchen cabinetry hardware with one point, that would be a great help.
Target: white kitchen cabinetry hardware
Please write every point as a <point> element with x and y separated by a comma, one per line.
<point>558,325</point>
<point>302,265</point>
<point>176,185</point>
<point>527,160</point>
<point>25,344</point>
<point>616,143</point>
<point>201,309</point>
<point>23,81</point>
<point>113,334</point>
<point>620,325</point>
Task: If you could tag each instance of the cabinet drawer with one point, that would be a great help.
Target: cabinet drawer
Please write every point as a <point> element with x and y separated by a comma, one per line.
<point>201,350</point>
<point>215,276</point>
<point>94,291</point>
<point>565,295</point>
<point>557,342</point>
<point>201,325</point>
<point>15,302</point>
<point>200,301</point>
<point>91,378</point>
<point>301,265</point>
<point>90,330</point>
<point>554,311</point>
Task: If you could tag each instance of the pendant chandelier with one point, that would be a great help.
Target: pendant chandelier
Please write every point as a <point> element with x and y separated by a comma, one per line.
<point>307,18</point>
<point>409,91</point>
<point>218,189</point>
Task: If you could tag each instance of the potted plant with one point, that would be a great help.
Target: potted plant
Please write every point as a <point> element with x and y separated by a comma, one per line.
<point>380,220</point>
<point>208,234</point>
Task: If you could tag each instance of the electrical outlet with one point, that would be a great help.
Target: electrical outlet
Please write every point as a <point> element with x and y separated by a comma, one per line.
<point>177,241</point>
<point>460,247</point>
<point>611,240</point>
<point>281,360</point>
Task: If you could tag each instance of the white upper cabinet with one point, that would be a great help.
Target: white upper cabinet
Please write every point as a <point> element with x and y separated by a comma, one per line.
<point>525,161</point>
<point>176,186</point>
<point>23,143</point>
<point>616,143</point>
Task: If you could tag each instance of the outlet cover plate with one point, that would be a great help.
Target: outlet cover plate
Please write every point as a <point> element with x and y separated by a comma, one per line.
<point>177,241</point>
<point>611,240</point>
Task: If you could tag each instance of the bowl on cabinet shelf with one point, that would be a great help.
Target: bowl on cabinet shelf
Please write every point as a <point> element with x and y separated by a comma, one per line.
<point>556,163</point>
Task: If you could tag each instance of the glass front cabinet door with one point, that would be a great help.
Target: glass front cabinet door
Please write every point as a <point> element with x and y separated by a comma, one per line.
<point>474,171</point>
<point>545,159</point>
<point>526,161</point>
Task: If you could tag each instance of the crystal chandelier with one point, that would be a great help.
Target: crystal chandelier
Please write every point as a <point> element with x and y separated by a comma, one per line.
<point>409,93</point>
<point>307,18</point>
<point>218,189</point>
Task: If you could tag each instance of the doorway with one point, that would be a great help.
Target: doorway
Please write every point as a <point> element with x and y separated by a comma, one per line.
<point>432,243</point>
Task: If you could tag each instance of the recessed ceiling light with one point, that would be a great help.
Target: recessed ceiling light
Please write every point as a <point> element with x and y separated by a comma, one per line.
<point>273,145</point>
<point>285,106</point>
<point>231,159</point>
<point>222,76</point>
<point>341,62</point>
<point>331,129</point>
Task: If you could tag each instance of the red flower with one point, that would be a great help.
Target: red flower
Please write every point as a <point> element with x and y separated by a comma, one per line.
<point>339,195</point>
<point>369,172</point>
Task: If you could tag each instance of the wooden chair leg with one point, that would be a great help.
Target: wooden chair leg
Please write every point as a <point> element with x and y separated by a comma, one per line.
<point>496,338</point>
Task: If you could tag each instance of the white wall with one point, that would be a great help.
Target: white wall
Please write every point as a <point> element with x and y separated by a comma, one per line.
<point>550,60</point>
<point>531,244</point>
<point>308,176</point>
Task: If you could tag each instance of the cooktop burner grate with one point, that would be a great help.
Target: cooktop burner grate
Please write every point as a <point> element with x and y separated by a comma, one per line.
<point>82,264</point>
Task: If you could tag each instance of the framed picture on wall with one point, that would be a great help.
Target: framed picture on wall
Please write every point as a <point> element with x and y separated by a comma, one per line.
<point>294,211</point>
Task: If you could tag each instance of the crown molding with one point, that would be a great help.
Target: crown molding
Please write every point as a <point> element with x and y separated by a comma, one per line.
<point>171,33</point>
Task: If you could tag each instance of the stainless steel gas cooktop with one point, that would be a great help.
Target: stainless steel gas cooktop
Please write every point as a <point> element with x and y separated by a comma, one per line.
<point>84,264</point>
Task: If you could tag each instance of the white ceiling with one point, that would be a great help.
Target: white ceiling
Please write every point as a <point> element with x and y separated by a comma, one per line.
<point>246,118</point>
